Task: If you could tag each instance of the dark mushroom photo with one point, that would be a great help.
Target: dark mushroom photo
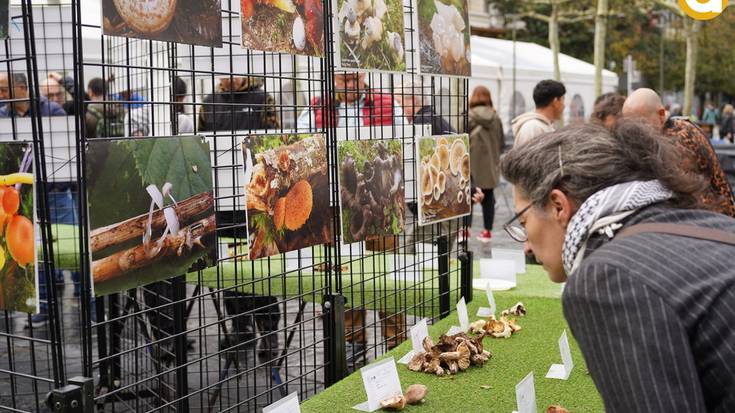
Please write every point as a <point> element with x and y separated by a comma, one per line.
<point>196,22</point>
<point>371,189</point>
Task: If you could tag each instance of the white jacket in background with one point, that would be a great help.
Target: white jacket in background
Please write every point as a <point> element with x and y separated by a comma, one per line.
<point>530,125</point>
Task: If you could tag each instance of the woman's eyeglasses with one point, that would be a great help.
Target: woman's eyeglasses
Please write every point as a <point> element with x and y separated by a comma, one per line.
<point>516,230</point>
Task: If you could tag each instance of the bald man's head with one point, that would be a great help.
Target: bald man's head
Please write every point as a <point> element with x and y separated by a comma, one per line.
<point>645,104</point>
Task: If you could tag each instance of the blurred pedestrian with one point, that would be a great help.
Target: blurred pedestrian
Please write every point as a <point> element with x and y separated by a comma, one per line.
<point>727,124</point>
<point>608,109</point>
<point>486,144</point>
<point>548,95</point>
<point>699,156</point>
<point>104,118</point>
<point>238,104</point>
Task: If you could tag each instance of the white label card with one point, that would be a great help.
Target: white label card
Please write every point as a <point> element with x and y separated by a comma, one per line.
<point>464,318</point>
<point>381,382</point>
<point>526,395</point>
<point>418,333</point>
<point>485,311</point>
<point>288,404</point>
<point>562,371</point>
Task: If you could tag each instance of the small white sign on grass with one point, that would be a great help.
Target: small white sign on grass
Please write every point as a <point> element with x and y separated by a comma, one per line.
<point>500,274</point>
<point>562,371</point>
<point>381,382</point>
<point>288,404</point>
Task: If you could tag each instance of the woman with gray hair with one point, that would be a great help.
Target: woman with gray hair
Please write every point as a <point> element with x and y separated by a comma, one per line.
<point>650,294</point>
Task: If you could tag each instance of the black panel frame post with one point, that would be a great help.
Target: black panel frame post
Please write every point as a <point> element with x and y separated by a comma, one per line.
<point>335,356</point>
<point>444,284</point>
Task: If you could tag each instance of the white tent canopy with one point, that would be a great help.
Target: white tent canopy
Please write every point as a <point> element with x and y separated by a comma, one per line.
<point>492,67</point>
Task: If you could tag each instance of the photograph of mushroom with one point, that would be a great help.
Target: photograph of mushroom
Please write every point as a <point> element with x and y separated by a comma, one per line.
<point>151,210</point>
<point>197,22</point>
<point>283,26</point>
<point>18,279</point>
<point>370,34</point>
<point>372,196</point>
<point>444,178</point>
<point>444,37</point>
<point>287,193</point>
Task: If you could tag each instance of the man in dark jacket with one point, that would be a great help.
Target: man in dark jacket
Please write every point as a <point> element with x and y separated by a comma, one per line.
<point>700,158</point>
<point>240,103</point>
<point>416,103</point>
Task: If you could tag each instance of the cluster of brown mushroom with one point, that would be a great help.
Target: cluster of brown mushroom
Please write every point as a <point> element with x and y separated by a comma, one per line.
<point>451,355</point>
<point>447,169</point>
<point>500,328</point>
<point>415,394</point>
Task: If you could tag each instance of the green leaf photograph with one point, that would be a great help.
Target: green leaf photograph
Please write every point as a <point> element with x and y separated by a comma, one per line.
<point>151,210</point>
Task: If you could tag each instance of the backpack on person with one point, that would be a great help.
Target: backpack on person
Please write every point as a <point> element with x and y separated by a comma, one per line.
<point>110,124</point>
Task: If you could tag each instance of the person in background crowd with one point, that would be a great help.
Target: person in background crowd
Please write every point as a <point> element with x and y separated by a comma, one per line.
<point>104,119</point>
<point>548,95</point>
<point>608,109</point>
<point>69,86</point>
<point>415,100</point>
<point>652,308</point>
<point>710,115</point>
<point>727,124</point>
<point>700,157</point>
<point>240,103</point>
<point>54,92</point>
<point>486,143</point>
<point>15,87</point>
<point>185,123</point>
<point>356,105</point>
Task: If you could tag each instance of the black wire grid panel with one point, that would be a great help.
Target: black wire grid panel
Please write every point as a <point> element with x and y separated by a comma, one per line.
<point>246,333</point>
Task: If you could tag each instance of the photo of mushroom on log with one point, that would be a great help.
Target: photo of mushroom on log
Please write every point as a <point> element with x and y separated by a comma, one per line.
<point>197,22</point>
<point>151,210</point>
<point>287,193</point>
<point>444,178</point>
<point>372,197</point>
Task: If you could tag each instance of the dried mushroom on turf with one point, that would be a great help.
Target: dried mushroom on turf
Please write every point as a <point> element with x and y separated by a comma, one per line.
<point>394,403</point>
<point>557,409</point>
<point>416,393</point>
<point>501,328</point>
<point>451,355</point>
<point>518,310</point>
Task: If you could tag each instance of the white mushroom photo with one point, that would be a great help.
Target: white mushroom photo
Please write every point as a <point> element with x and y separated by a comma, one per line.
<point>370,34</point>
<point>444,37</point>
<point>444,178</point>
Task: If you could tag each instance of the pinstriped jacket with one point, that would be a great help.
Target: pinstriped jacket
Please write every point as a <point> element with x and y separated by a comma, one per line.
<point>654,316</point>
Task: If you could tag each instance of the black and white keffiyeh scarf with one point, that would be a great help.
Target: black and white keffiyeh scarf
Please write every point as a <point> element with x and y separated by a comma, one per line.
<point>603,212</point>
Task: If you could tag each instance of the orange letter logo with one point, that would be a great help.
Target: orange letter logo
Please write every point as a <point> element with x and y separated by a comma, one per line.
<point>703,9</point>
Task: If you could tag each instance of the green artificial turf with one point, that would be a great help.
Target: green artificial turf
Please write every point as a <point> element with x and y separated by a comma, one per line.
<point>534,348</point>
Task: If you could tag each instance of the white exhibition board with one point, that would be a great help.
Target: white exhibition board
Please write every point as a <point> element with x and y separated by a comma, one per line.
<point>500,274</point>
<point>427,255</point>
<point>517,256</point>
